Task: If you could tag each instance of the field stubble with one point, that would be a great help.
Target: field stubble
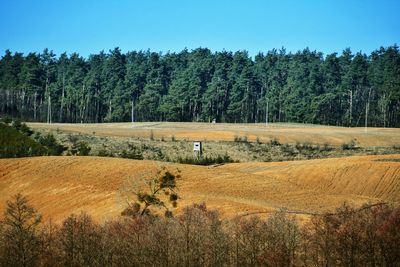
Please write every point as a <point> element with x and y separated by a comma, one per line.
<point>173,142</point>
<point>58,186</point>
<point>284,132</point>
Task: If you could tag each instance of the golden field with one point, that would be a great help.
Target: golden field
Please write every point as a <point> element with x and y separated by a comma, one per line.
<point>58,186</point>
<point>284,132</point>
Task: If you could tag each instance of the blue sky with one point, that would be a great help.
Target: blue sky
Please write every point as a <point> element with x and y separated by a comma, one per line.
<point>88,26</point>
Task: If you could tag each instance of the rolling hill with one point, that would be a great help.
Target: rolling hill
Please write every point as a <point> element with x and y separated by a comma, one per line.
<point>58,186</point>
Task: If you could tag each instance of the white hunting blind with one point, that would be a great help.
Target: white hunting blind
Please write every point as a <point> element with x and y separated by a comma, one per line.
<point>197,149</point>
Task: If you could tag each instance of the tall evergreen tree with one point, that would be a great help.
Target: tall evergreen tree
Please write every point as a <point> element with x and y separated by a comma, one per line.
<point>199,85</point>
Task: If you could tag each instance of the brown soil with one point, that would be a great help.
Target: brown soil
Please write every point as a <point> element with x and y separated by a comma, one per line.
<point>58,186</point>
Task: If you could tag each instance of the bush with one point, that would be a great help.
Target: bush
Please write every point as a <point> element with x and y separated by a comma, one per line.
<point>240,139</point>
<point>274,142</point>
<point>80,148</point>
<point>352,145</point>
<point>73,138</point>
<point>16,124</point>
<point>21,127</point>
<point>289,150</point>
<point>326,147</point>
<point>6,119</point>
<point>25,130</point>
<point>15,144</point>
<point>206,160</point>
<point>151,136</point>
<point>50,142</point>
<point>132,154</point>
<point>104,153</point>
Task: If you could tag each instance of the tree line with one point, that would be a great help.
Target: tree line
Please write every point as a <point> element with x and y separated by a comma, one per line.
<point>368,236</point>
<point>199,85</point>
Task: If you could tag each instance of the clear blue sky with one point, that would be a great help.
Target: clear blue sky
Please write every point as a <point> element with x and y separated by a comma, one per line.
<point>89,26</point>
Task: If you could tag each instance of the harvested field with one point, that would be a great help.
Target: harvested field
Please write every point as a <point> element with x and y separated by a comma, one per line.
<point>58,186</point>
<point>284,132</point>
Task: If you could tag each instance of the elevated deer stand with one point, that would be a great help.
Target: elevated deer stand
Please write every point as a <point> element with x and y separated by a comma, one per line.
<point>197,150</point>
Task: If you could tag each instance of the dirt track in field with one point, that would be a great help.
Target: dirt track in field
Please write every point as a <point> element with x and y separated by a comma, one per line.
<point>58,186</point>
<point>285,133</point>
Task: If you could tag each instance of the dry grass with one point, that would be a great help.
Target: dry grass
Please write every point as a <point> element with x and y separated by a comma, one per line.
<point>58,186</point>
<point>284,132</point>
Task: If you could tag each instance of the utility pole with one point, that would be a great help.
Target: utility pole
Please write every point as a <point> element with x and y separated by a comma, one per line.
<point>132,116</point>
<point>266,114</point>
<point>34,106</point>
<point>351,106</point>
<point>366,111</point>
<point>49,110</point>
<point>109,110</point>
<point>266,108</point>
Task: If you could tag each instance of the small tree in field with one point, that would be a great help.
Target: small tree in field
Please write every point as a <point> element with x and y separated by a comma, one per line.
<point>20,233</point>
<point>161,194</point>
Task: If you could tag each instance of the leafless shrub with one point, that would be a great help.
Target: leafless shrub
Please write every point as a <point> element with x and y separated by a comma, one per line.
<point>20,240</point>
<point>80,241</point>
<point>368,236</point>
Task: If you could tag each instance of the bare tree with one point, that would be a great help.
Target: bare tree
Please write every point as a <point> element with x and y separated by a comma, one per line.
<point>80,241</point>
<point>20,233</point>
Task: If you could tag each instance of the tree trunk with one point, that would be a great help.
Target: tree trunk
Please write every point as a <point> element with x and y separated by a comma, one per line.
<point>366,110</point>
<point>266,114</point>
<point>62,99</point>
<point>132,111</point>
<point>82,105</point>
<point>49,110</point>
<point>109,109</point>
<point>34,106</point>
<point>351,107</point>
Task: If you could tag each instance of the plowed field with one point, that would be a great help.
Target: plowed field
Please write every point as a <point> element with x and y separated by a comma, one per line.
<point>58,186</point>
